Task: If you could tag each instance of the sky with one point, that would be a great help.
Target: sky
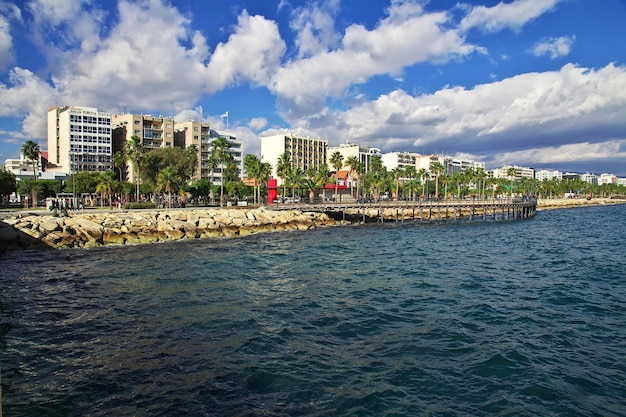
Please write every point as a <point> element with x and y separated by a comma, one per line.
<point>537,83</point>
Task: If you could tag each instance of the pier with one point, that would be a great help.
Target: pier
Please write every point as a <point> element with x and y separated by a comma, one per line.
<point>422,210</point>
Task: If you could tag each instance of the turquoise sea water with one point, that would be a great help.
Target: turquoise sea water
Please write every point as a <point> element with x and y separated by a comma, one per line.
<point>524,318</point>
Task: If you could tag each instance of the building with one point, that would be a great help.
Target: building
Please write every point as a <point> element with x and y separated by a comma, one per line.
<point>199,134</point>
<point>547,175</point>
<point>400,160</point>
<point>79,139</point>
<point>305,153</point>
<point>520,172</point>
<point>235,150</point>
<point>153,132</point>
<point>363,153</point>
<point>589,178</point>
<point>454,165</point>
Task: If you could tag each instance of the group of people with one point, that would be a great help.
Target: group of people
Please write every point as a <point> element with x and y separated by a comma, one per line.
<point>62,205</point>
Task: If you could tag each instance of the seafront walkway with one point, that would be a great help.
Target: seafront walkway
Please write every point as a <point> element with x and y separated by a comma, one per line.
<point>494,209</point>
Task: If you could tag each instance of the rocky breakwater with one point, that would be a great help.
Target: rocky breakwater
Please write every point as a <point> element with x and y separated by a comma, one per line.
<point>93,229</point>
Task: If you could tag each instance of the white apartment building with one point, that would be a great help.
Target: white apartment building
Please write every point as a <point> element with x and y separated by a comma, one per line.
<point>362,153</point>
<point>520,172</point>
<point>454,165</point>
<point>79,139</point>
<point>607,179</point>
<point>401,160</point>
<point>589,178</point>
<point>235,150</point>
<point>305,153</point>
<point>547,175</point>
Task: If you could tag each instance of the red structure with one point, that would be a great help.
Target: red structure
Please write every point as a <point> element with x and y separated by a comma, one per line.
<point>272,190</point>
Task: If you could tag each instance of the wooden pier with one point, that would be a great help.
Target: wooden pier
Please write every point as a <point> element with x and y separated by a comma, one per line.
<point>422,210</point>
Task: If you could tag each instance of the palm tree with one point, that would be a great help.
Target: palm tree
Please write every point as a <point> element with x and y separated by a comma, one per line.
<point>212,163</point>
<point>119,162</point>
<point>135,151</point>
<point>252,165</point>
<point>396,174</point>
<point>481,177</point>
<point>265,170</point>
<point>168,181</point>
<point>354,163</point>
<point>437,169</point>
<point>511,172</point>
<point>106,184</point>
<point>315,179</point>
<point>283,165</point>
<point>410,172</point>
<point>294,178</point>
<point>220,146</point>
<point>336,160</point>
<point>423,174</point>
<point>31,151</point>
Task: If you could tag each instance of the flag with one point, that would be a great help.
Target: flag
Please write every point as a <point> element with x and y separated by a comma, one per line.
<point>224,115</point>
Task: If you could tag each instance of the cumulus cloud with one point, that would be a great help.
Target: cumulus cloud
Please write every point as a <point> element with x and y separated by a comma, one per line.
<point>257,123</point>
<point>252,53</point>
<point>512,15</point>
<point>407,36</point>
<point>554,47</point>
<point>572,105</point>
<point>8,12</point>
<point>314,26</point>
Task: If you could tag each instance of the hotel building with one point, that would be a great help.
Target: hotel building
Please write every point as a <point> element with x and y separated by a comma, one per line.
<point>362,153</point>
<point>79,139</point>
<point>305,153</point>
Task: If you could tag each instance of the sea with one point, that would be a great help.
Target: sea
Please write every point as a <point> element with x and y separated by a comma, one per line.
<point>512,318</point>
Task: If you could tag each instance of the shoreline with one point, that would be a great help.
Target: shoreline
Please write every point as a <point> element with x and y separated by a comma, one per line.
<point>38,229</point>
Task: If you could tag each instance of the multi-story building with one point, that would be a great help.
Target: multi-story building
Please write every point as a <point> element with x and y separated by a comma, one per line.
<point>363,153</point>
<point>153,132</point>
<point>199,134</point>
<point>454,165</point>
<point>305,153</point>
<point>546,175</point>
<point>520,172</point>
<point>79,139</point>
<point>589,178</point>
<point>235,150</point>
<point>393,160</point>
<point>607,179</point>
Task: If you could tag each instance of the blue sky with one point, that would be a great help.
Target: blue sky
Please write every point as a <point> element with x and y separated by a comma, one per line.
<point>538,83</point>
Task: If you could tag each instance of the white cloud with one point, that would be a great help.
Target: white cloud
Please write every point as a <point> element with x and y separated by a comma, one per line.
<point>554,47</point>
<point>252,53</point>
<point>407,36</point>
<point>8,12</point>
<point>512,15</point>
<point>314,26</point>
<point>257,123</point>
<point>568,106</point>
<point>6,44</point>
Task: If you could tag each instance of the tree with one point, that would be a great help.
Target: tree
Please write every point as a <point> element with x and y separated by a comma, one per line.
<point>135,151</point>
<point>8,184</point>
<point>168,181</point>
<point>31,151</point>
<point>511,172</point>
<point>315,179</point>
<point>283,165</point>
<point>106,186</point>
<point>119,162</point>
<point>29,187</point>
<point>252,165</point>
<point>220,150</point>
<point>410,172</point>
<point>423,175</point>
<point>396,174</point>
<point>294,178</point>
<point>355,168</point>
<point>336,160</point>
<point>437,169</point>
